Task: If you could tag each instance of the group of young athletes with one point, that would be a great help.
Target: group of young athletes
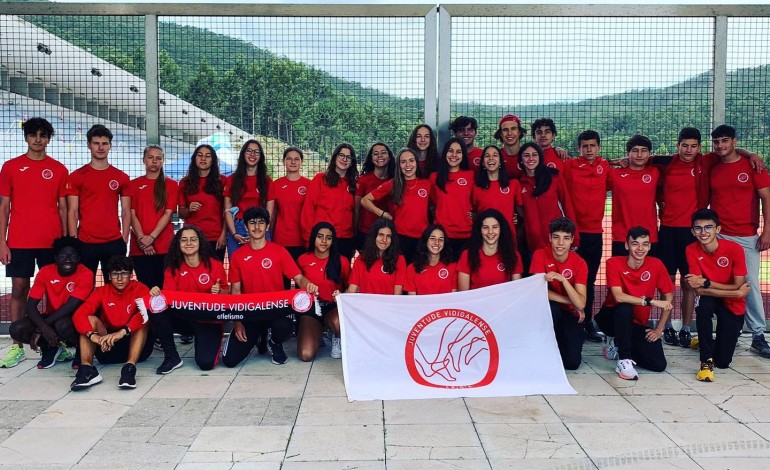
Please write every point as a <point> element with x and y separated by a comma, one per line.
<point>415,222</point>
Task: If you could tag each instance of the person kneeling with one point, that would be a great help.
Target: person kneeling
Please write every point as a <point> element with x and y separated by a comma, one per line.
<point>111,327</point>
<point>718,275</point>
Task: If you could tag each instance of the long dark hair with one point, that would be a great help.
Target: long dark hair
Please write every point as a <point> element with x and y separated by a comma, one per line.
<point>351,175</point>
<point>422,255</point>
<point>333,270</point>
<point>506,248</point>
<point>482,176</point>
<point>174,258</point>
<point>368,165</point>
<point>389,256</point>
<point>442,167</point>
<point>238,187</point>
<point>213,184</point>
<point>543,173</point>
<point>399,183</point>
<point>159,188</point>
<point>431,153</point>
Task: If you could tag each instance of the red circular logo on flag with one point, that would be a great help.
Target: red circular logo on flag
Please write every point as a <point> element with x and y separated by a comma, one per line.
<point>722,262</point>
<point>500,267</point>
<point>452,348</point>
<point>647,179</point>
<point>70,286</point>
<point>302,190</point>
<point>551,165</point>
<point>443,273</point>
<point>47,174</point>
<point>114,185</point>
<point>505,190</point>
<point>743,178</point>
<point>267,263</point>
<point>462,181</point>
<point>301,302</point>
<point>567,273</point>
<point>599,170</point>
<point>645,276</point>
<point>477,161</point>
<point>204,278</point>
<point>422,192</point>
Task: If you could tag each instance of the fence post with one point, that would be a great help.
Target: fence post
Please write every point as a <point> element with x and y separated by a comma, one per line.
<point>444,74</point>
<point>430,67</point>
<point>152,95</point>
<point>720,71</point>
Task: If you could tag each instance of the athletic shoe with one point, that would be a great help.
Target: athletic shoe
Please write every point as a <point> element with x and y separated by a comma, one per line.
<point>758,345</point>
<point>279,355</point>
<point>591,334</point>
<point>65,354</point>
<point>15,355</point>
<point>186,339</point>
<point>669,337</point>
<point>49,354</point>
<point>262,345</point>
<point>685,338</point>
<point>706,372</point>
<point>87,375</point>
<point>609,350</point>
<point>336,352</point>
<point>625,369</point>
<point>156,345</point>
<point>169,365</point>
<point>127,376</point>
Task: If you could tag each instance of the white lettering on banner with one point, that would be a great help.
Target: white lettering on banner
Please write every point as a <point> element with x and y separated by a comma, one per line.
<point>222,306</point>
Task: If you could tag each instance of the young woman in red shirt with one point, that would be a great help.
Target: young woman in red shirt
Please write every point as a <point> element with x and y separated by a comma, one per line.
<point>288,194</point>
<point>380,268</point>
<point>493,189</point>
<point>491,257</point>
<point>423,141</point>
<point>451,196</point>
<point>378,168</point>
<point>433,271</point>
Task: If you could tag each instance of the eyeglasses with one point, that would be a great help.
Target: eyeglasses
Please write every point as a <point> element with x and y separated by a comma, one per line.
<point>703,228</point>
<point>344,158</point>
<point>120,274</point>
<point>252,152</point>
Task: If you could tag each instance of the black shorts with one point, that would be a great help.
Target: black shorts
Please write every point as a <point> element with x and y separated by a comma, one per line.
<point>326,307</point>
<point>672,242</point>
<point>23,261</point>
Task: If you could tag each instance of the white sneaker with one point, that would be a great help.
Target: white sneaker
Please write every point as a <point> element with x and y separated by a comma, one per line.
<point>609,350</point>
<point>336,352</point>
<point>625,369</point>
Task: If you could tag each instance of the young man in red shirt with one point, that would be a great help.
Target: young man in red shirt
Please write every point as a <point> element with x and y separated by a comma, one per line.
<point>510,132</point>
<point>718,276</point>
<point>465,128</point>
<point>261,266</point>
<point>632,281</point>
<point>544,132</point>
<point>33,212</point>
<point>93,194</point>
<point>111,327</point>
<point>566,273</point>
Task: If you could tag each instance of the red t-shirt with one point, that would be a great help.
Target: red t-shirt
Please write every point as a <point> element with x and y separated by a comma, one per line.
<point>251,195</point>
<point>210,217</point>
<point>198,279</point>
<point>262,270</point>
<point>453,206</point>
<point>115,308</point>
<point>722,266</point>
<point>33,187</point>
<point>314,268</point>
<point>474,158</point>
<point>679,196</point>
<point>511,164</point>
<point>495,197</point>
<point>142,192</point>
<point>438,279</point>
<point>634,196</point>
<point>640,282</point>
<point>289,197</point>
<point>326,204</point>
<point>58,289</point>
<point>552,159</point>
<point>98,193</point>
<point>735,198</point>
<point>541,210</point>
<point>411,216</point>
<point>491,270</point>
<point>574,269</point>
<point>587,185</point>
<point>365,185</point>
<point>375,280</point>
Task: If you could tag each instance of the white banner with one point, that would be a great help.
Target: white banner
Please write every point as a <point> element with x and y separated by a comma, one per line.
<point>490,342</point>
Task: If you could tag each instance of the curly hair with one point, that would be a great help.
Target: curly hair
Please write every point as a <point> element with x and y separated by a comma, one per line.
<point>368,165</point>
<point>482,176</point>
<point>371,253</point>
<point>506,248</point>
<point>174,258</point>
<point>333,271</point>
<point>213,184</point>
<point>238,185</point>
<point>71,242</point>
<point>422,254</point>
<point>543,173</point>
<point>442,167</point>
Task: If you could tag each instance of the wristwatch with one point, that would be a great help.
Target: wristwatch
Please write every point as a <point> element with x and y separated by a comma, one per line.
<point>647,301</point>
<point>707,283</point>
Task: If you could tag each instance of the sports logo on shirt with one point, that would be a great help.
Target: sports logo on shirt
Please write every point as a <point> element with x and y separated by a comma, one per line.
<point>23,169</point>
<point>477,161</point>
<point>567,273</point>
<point>722,262</point>
<point>692,172</point>
<point>462,181</point>
<point>267,263</point>
<point>505,190</point>
<point>142,186</point>
<point>302,190</point>
<point>246,258</point>
<point>550,165</point>
<point>55,281</point>
<point>114,185</point>
<point>47,174</point>
<point>443,273</point>
<point>184,273</point>
<point>523,190</point>
<point>301,302</point>
<point>647,179</point>
<point>599,169</point>
<point>382,268</point>
<point>128,308</point>
<point>422,192</point>
<point>70,286</point>
<point>743,178</point>
<point>204,278</point>
<point>500,267</point>
<point>645,276</point>
<point>110,304</point>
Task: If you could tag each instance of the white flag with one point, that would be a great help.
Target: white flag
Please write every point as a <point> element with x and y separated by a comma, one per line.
<point>490,342</point>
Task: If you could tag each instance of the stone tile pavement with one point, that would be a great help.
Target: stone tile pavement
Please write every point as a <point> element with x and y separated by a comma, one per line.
<point>296,416</point>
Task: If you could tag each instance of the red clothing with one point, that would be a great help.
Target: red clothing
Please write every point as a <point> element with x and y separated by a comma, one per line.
<point>326,204</point>
<point>495,197</point>
<point>365,185</point>
<point>453,206</point>
<point>289,197</point>
<point>375,280</point>
<point>474,158</point>
<point>314,268</point>
<point>541,210</point>
<point>640,282</point>
<point>634,194</point>
<point>438,279</point>
<point>251,195</point>
<point>587,185</point>
<point>262,270</point>
<point>198,279</point>
<point>491,270</point>
<point>210,217</point>
<point>114,308</point>
<point>735,198</point>
<point>552,159</point>
<point>722,266</point>
<point>574,269</point>
<point>142,192</point>
<point>58,289</point>
<point>33,188</point>
<point>98,193</point>
<point>411,216</point>
<point>511,164</point>
<point>704,164</point>
<point>679,194</point>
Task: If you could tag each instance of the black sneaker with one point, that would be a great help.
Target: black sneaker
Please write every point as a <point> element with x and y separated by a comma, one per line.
<point>669,337</point>
<point>169,364</point>
<point>279,355</point>
<point>127,376</point>
<point>49,354</point>
<point>759,345</point>
<point>87,375</point>
<point>156,345</point>
<point>591,334</point>
<point>685,338</point>
<point>186,339</point>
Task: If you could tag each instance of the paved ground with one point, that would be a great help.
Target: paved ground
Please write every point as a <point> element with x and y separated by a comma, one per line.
<point>296,416</point>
